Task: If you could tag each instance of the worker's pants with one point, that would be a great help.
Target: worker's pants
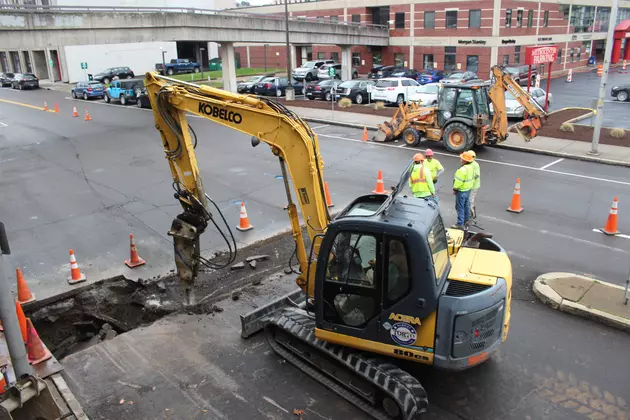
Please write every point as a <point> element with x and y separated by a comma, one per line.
<point>473,210</point>
<point>462,206</point>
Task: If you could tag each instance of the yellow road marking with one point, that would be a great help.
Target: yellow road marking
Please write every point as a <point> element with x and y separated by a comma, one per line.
<point>40,108</point>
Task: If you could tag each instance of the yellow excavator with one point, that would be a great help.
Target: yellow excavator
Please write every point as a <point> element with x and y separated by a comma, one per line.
<point>466,115</point>
<point>384,280</point>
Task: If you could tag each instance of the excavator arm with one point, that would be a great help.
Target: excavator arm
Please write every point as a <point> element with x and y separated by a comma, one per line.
<point>289,137</point>
<point>536,115</point>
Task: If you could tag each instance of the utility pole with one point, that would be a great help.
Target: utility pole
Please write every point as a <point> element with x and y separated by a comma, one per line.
<point>602,87</point>
<point>290,92</point>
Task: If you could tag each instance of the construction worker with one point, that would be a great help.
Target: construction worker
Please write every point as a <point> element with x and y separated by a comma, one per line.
<point>435,167</point>
<point>420,180</point>
<point>462,185</point>
<point>476,184</point>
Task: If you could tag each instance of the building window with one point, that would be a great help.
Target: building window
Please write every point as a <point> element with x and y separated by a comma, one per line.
<point>474,19</point>
<point>356,18</point>
<point>450,58</point>
<point>472,63</point>
<point>429,20</point>
<point>451,18</point>
<point>546,19</point>
<point>519,18</point>
<point>377,59</point>
<point>356,59</point>
<point>572,54</point>
<point>530,18</point>
<point>334,56</point>
<point>517,54</point>
<point>321,55</point>
<point>400,20</point>
<point>427,61</point>
<point>506,59</point>
<point>334,18</point>
<point>399,60</point>
<point>559,55</point>
<point>586,46</point>
<point>508,18</point>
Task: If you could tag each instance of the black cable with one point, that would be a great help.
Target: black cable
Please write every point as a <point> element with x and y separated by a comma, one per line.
<point>232,247</point>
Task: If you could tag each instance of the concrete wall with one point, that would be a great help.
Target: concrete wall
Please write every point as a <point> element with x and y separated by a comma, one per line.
<point>140,57</point>
<point>198,4</point>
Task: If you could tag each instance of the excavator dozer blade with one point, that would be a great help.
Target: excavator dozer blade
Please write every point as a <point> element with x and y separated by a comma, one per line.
<point>256,320</point>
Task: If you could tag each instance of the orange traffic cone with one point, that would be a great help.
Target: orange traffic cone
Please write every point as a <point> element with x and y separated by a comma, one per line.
<point>1,327</point>
<point>75,274</point>
<point>87,115</point>
<point>624,66</point>
<point>56,108</point>
<point>570,76</point>
<point>329,202</point>
<point>365,134</point>
<point>611,223</point>
<point>23,292</point>
<point>134,259</point>
<point>35,348</point>
<point>600,70</point>
<point>244,225</point>
<point>45,106</point>
<point>21,320</point>
<point>75,113</point>
<point>380,186</point>
<point>3,383</point>
<point>515,207</point>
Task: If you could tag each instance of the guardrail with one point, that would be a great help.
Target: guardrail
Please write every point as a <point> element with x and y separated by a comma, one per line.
<point>31,8</point>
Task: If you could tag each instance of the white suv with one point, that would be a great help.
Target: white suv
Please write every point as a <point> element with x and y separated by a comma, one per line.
<point>396,90</point>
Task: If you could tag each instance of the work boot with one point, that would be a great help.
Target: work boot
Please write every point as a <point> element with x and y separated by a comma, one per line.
<point>460,227</point>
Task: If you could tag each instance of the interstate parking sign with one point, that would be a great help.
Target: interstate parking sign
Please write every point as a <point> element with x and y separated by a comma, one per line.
<point>84,66</point>
<point>332,71</point>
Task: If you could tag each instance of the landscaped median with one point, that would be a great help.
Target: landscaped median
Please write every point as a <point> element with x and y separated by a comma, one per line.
<point>586,297</point>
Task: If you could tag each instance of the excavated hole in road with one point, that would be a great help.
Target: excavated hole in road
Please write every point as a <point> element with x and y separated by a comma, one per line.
<point>105,309</point>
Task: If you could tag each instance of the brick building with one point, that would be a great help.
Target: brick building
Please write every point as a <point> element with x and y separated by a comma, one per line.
<point>451,34</point>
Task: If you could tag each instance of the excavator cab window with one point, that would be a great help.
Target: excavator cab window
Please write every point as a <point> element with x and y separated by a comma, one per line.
<point>465,107</point>
<point>446,104</point>
<point>351,289</point>
<point>481,99</point>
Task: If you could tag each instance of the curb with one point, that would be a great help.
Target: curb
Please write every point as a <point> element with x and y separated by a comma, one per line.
<point>498,145</point>
<point>549,297</point>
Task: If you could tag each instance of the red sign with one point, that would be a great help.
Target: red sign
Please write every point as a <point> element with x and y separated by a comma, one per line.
<point>541,55</point>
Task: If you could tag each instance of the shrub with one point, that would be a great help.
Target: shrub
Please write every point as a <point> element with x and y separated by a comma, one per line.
<point>567,127</point>
<point>617,133</point>
<point>345,103</point>
<point>379,105</point>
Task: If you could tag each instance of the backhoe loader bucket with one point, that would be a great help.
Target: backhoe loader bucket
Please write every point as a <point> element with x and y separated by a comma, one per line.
<point>385,133</point>
<point>528,129</point>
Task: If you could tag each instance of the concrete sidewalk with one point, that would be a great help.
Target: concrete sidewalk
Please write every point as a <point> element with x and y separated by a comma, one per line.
<point>584,296</point>
<point>570,149</point>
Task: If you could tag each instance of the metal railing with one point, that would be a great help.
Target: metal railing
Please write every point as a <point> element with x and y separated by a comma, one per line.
<point>31,8</point>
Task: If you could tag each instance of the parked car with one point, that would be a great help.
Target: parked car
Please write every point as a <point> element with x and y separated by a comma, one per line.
<point>520,73</point>
<point>428,94</point>
<point>430,76</point>
<point>25,81</point>
<point>396,90</point>
<point>87,90</point>
<point>308,70</point>
<point>142,98</point>
<point>276,86</point>
<point>513,108</point>
<point>178,65</point>
<point>621,92</point>
<point>322,72</point>
<point>356,90</point>
<point>404,72</point>
<point>321,89</point>
<point>6,78</point>
<point>248,85</point>
<point>125,91</point>
<point>460,77</point>
<point>107,75</point>
<point>380,72</point>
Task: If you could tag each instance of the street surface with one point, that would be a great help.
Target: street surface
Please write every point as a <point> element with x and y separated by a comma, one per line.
<point>68,183</point>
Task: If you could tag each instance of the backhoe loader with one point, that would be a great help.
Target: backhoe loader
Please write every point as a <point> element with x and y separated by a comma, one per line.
<point>466,115</point>
<point>384,280</point>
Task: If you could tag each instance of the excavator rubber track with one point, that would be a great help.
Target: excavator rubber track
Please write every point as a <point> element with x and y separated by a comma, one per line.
<point>377,387</point>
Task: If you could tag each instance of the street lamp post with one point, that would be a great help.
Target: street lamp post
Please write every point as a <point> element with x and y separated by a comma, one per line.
<point>163,60</point>
<point>202,50</point>
<point>602,86</point>
<point>290,92</point>
<point>266,45</point>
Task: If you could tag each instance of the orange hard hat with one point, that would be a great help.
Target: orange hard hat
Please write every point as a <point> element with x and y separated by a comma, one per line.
<point>418,157</point>
<point>428,152</point>
<point>472,153</point>
<point>466,157</point>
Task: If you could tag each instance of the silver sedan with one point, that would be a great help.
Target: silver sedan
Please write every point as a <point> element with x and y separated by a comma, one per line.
<point>514,110</point>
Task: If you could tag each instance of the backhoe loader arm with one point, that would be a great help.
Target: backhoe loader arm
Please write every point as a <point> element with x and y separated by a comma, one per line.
<point>536,114</point>
<point>289,137</point>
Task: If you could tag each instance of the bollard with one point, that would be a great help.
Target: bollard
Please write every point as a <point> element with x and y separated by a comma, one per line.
<point>625,295</point>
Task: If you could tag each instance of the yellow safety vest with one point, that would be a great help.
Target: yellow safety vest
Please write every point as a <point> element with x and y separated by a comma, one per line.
<point>421,185</point>
<point>464,178</point>
<point>434,166</point>
<point>477,175</point>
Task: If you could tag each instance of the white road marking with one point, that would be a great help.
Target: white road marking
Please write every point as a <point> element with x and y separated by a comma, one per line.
<point>619,235</point>
<point>616,102</point>
<point>320,126</point>
<point>402,145</point>
<point>275,404</point>
<point>513,165</point>
<point>551,164</point>
<point>3,125</point>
